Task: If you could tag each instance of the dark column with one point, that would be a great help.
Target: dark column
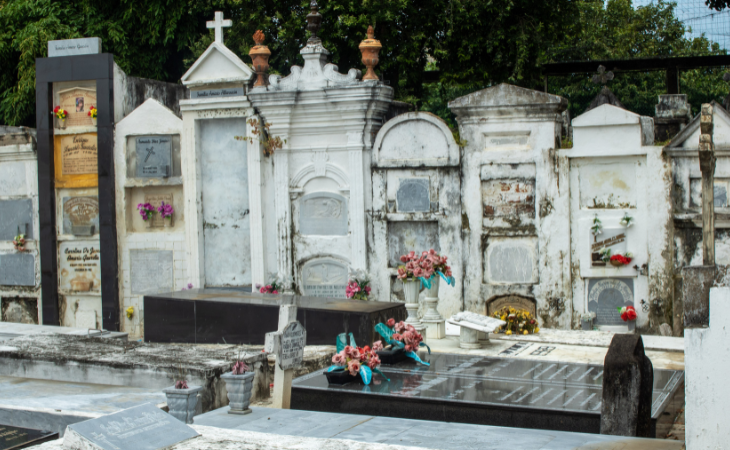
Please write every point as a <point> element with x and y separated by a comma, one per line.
<point>672,80</point>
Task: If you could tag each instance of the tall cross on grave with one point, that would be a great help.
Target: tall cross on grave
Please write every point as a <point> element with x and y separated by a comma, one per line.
<point>602,77</point>
<point>707,168</point>
<point>219,23</point>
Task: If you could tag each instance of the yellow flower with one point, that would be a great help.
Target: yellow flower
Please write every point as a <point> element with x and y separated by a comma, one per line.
<point>525,332</point>
<point>508,332</point>
<point>503,317</point>
<point>537,329</point>
<point>130,312</point>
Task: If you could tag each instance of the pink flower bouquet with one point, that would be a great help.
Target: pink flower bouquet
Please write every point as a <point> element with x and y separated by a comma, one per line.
<point>353,361</point>
<point>145,210</point>
<point>400,335</point>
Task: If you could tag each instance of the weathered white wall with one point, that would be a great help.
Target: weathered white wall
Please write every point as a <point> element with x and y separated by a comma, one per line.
<point>707,363</point>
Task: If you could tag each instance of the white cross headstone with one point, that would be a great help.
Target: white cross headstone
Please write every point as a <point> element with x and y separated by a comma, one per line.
<point>219,23</point>
<point>288,346</point>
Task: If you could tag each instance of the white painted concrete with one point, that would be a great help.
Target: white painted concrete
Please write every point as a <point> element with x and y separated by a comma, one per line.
<point>707,357</point>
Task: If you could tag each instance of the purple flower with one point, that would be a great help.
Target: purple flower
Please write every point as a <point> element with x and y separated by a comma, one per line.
<point>165,211</point>
<point>190,285</point>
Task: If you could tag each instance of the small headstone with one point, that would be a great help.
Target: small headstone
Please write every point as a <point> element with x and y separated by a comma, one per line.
<point>324,214</point>
<point>606,295</point>
<point>77,102</point>
<point>665,329</point>
<point>413,195</point>
<point>79,266</point>
<point>404,237</point>
<point>17,437</point>
<point>14,214</point>
<point>216,93</point>
<point>73,47</point>
<point>13,179</point>
<point>143,427</point>
<point>290,353</point>
<point>324,277</point>
<point>628,380</point>
<point>80,215</point>
<point>79,154</point>
<point>511,263</point>
<point>151,271</point>
<point>154,156</point>
<point>156,200</point>
<point>613,239</point>
<point>17,269</point>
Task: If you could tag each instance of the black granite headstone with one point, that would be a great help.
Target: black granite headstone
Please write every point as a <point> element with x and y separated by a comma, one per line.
<point>628,377</point>
<point>17,437</point>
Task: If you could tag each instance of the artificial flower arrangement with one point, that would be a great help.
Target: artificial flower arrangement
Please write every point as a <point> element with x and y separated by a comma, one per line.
<point>627,220</point>
<point>358,287</point>
<point>403,337</point>
<point>440,266</point>
<point>597,227</point>
<point>351,361</point>
<point>92,112</point>
<point>19,242</point>
<point>619,260</point>
<point>166,210</point>
<point>416,268</point>
<point>628,313</point>
<point>145,210</point>
<point>519,321</point>
<point>240,367</point>
<point>60,113</point>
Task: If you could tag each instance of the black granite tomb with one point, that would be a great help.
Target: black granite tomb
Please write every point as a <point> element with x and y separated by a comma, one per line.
<point>16,437</point>
<point>482,390</point>
<point>210,316</point>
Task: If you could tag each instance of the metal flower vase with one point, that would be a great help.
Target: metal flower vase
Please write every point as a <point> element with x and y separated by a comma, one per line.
<point>183,403</point>
<point>411,289</point>
<point>240,389</point>
<point>632,326</point>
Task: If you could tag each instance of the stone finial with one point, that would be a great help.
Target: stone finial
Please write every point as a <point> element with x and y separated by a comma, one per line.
<point>602,77</point>
<point>370,49</point>
<point>259,54</point>
<point>314,23</point>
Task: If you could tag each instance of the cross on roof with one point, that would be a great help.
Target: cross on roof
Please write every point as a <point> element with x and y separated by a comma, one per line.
<point>602,77</point>
<point>219,24</point>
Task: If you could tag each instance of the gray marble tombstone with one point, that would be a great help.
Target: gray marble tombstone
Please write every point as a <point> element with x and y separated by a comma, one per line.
<point>323,213</point>
<point>154,156</point>
<point>511,263</point>
<point>151,271</point>
<point>143,427</point>
<point>324,277</point>
<point>404,237</point>
<point>17,269</point>
<point>413,195</point>
<point>14,214</point>
<point>606,295</point>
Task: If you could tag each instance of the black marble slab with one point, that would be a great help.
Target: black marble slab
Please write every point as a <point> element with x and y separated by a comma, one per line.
<point>210,316</point>
<point>524,393</point>
<point>17,437</point>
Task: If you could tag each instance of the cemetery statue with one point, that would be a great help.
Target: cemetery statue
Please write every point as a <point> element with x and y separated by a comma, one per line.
<point>239,385</point>
<point>401,338</point>
<point>352,363</point>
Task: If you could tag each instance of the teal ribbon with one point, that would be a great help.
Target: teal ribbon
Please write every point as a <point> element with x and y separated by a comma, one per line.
<point>387,334</point>
<point>449,280</point>
<point>425,282</point>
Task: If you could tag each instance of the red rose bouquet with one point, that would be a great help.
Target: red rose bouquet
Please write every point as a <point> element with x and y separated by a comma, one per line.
<point>627,313</point>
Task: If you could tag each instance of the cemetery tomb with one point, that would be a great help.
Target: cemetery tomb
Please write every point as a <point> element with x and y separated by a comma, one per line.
<point>483,390</point>
<point>18,437</point>
<point>208,316</point>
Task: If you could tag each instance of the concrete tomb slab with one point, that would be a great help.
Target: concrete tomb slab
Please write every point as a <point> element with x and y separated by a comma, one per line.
<point>16,214</point>
<point>143,427</point>
<point>17,269</point>
<point>413,195</point>
<point>151,271</point>
<point>404,237</point>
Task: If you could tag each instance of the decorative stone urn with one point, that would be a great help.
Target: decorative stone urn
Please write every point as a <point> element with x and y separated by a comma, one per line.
<point>240,388</point>
<point>411,289</point>
<point>370,49</point>
<point>434,322</point>
<point>182,403</point>
<point>260,56</point>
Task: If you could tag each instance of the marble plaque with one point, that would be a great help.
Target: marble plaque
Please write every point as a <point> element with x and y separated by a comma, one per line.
<point>216,93</point>
<point>511,262</point>
<point>404,237</point>
<point>290,353</point>
<point>611,238</point>
<point>324,214</point>
<point>79,266</point>
<point>17,437</point>
<point>13,179</point>
<point>151,271</point>
<point>17,269</point>
<point>77,102</point>
<point>81,215</point>
<point>324,277</point>
<point>72,47</point>
<point>154,156</point>
<point>156,200</point>
<point>144,427</point>
<point>515,301</point>
<point>14,214</point>
<point>79,154</point>
<point>605,295</point>
<point>413,195</point>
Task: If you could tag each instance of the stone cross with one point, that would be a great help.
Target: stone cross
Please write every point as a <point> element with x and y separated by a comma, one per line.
<point>707,167</point>
<point>282,376</point>
<point>219,24</point>
<point>602,77</point>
